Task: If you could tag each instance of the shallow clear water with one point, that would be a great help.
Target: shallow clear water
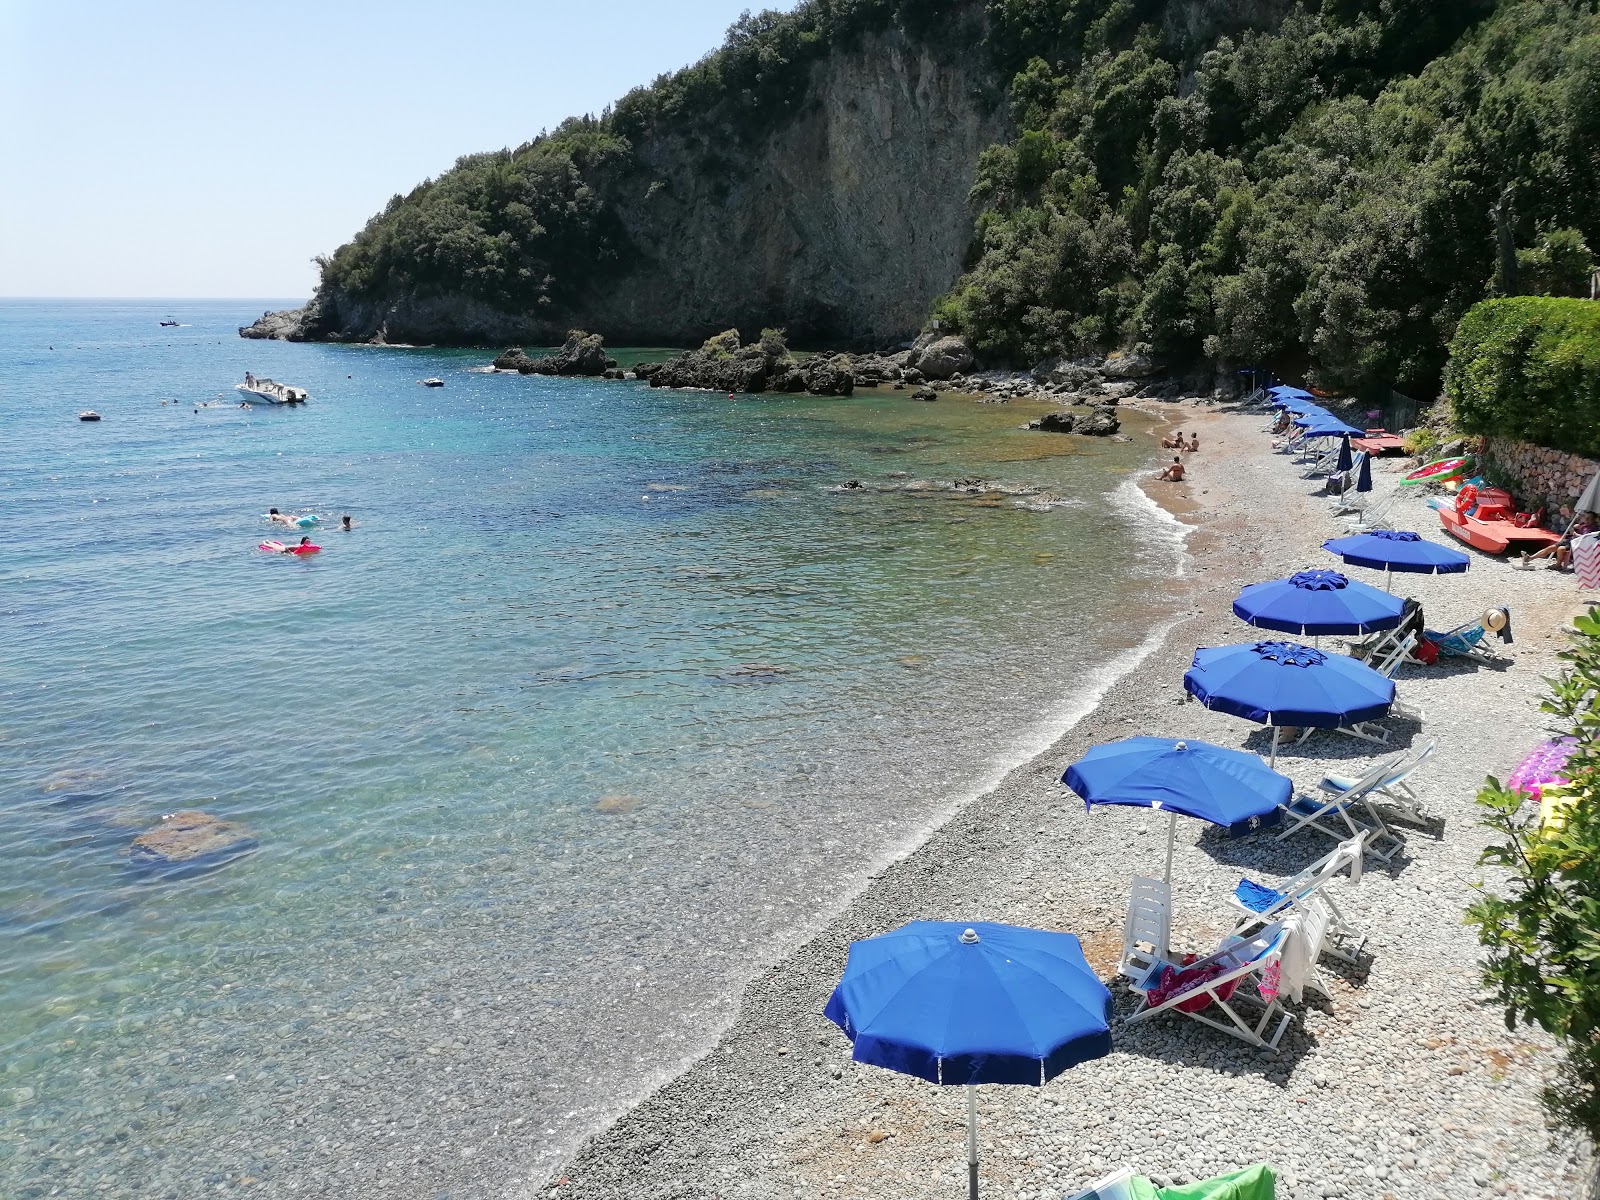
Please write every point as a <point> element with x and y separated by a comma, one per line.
<point>608,693</point>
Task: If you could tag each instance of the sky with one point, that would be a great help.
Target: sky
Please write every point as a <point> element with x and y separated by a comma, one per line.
<point>202,148</point>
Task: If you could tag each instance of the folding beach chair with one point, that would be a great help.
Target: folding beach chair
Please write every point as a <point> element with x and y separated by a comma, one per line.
<point>1323,464</point>
<point>1335,813</point>
<point>1373,516</point>
<point>1214,989</point>
<point>1392,793</point>
<point>1342,484</point>
<point>1148,929</point>
<point>1257,904</point>
<point>1468,640</point>
<point>1116,1186</point>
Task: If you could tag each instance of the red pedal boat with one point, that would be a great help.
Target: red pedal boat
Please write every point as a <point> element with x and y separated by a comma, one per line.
<point>1378,442</point>
<point>1486,520</point>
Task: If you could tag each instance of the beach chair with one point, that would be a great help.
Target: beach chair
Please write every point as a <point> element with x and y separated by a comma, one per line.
<point>1148,929</point>
<point>1336,813</point>
<point>1388,653</point>
<point>1216,990</point>
<point>1467,641</point>
<point>1373,516</point>
<point>1392,793</point>
<point>1307,937</point>
<point>1324,464</point>
<point>1257,904</point>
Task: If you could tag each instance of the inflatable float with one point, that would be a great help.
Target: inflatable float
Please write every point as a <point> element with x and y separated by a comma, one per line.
<point>275,547</point>
<point>1440,470</point>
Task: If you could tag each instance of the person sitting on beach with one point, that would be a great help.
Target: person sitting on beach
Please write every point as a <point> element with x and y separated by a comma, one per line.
<point>1194,443</point>
<point>1284,421</point>
<point>1560,554</point>
<point>1174,472</point>
<point>1175,442</point>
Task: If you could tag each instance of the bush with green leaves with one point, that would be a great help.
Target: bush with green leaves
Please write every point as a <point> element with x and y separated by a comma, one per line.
<point>1528,367</point>
<point>1542,935</point>
<point>1319,188</point>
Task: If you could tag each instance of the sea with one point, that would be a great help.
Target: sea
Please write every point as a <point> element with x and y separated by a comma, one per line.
<point>609,696</point>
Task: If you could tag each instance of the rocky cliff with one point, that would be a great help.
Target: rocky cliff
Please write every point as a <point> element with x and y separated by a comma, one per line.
<point>842,222</point>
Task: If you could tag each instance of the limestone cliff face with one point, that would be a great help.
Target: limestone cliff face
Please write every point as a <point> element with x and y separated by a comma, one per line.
<point>843,224</point>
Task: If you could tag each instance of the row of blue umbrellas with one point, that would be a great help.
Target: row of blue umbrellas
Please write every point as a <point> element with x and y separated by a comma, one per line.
<point>958,1004</point>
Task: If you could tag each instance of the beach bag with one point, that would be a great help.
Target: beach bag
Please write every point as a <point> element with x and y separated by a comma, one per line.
<point>1426,653</point>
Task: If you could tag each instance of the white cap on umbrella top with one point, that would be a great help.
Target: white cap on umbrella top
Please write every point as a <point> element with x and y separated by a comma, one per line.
<point>969,936</point>
<point>1180,746</point>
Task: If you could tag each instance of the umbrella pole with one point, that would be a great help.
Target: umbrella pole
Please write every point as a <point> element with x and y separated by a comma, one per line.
<point>1388,576</point>
<point>1172,833</point>
<point>1274,762</point>
<point>972,1142</point>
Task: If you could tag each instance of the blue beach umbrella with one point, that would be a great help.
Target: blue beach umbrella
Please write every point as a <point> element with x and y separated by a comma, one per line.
<point>1309,414</point>
<point>1328,425</point>
<point>1287,391</point>
<point>1284,683</point>
<point>1345,461</point>
<point>971,1004</point>
<point>1390,550</point>
<point>1315,603</point>
<point>1230,788</point>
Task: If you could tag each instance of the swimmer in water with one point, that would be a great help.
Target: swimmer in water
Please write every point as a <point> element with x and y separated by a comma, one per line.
<point>344,524</point>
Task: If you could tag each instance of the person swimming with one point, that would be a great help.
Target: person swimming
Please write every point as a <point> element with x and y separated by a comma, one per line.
<point>344,524</point>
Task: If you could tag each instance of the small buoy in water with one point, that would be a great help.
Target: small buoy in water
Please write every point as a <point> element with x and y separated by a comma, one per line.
<point>89,415</point>
<point>730,395</point>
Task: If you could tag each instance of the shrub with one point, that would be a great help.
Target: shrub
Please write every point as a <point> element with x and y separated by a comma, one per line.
<point>1543,936</point>
<point>1558,266</point>
<point>1528,367</point>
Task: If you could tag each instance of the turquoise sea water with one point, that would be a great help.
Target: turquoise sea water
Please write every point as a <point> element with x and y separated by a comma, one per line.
<point>608,696</point>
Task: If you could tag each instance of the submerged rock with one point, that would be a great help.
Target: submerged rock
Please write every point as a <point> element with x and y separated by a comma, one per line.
<point>188,842</point>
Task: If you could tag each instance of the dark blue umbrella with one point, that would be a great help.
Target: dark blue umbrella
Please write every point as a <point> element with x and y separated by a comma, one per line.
<point>1288,391</point>
<point>1328,425</point>
<point>1389,550</point>
<point>1314,603</point>
<point>1364,476</point>
<point>1230,788</point>
<point>1283,683</point>
<point>1345,461</point>
<point>984,1003</point>
<point>1309,414</point>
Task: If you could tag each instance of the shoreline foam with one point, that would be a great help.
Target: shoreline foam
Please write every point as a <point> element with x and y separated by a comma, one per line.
<point>777,1108</point>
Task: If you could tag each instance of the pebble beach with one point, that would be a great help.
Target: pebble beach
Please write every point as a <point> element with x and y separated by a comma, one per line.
<point>1404,1084</point>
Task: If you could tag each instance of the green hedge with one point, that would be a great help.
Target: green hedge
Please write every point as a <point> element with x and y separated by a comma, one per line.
<point>1528,367</point>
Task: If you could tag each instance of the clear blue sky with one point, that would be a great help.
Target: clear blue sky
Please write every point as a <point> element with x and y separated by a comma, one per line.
<point>211,148</point>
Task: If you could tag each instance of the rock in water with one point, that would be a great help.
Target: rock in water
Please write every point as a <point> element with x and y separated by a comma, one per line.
<point>1056,422</point>
<point>513,359</point>
<point>583,353</point>
<point>189,842</point>
<point>830,376</point>
<point>946,357</point>
<point>283,326</point>
<point>1102,422</point>
<point>924,393</point>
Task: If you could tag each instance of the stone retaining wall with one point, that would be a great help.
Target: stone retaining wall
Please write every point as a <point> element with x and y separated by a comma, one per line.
<point>1541,476</point>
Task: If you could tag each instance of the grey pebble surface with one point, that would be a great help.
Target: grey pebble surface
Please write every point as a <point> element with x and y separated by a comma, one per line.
<point>1405,1084</point>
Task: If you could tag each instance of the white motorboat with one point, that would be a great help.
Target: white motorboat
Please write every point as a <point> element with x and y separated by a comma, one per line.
<point>268,391</point>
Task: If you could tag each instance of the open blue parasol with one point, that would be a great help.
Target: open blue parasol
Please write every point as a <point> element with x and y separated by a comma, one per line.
<point>971,1004</point>
<point>1389,550</point>
<point>1328,425</point>
<point>1284,683</point>
<point>1314,603</point>
<point>1230,788</point>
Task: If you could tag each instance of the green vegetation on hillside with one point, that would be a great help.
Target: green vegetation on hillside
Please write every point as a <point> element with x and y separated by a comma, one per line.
<point>1528,367</point>
<point>531,228</point>
<point>1335,188</point>
<point>1324,189</point>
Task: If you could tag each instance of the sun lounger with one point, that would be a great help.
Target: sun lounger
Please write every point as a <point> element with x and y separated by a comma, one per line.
<point>1468,641</point>
<point>1373,516</point>
<point>1391,793</point>
<point>1219,986</point>
<point>1148,928</point>
<point>1323,464</point>
<point>1347,813</point>
<point>1256,904</point>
